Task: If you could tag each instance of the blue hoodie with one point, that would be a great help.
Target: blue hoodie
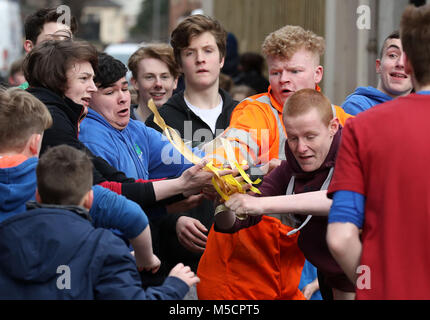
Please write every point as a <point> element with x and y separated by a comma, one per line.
<point>364,98</point>
<point>109,210</point>
<point>17,186</point>
<point>55,253</point>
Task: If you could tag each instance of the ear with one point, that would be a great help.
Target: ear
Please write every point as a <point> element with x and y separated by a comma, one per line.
<point>134,83</point>
<point>221,63</point>
<point>333,126</point>
<point>38,199</point>
<point>88,199</point>
<point>34,144</point>
<point>378,66</point>
<point>175,84</point>
<point>319,71</point>
<point>28,45</point>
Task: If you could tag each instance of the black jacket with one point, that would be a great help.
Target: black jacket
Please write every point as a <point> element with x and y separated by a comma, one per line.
<point>175,113</point>
<point>64,130</point>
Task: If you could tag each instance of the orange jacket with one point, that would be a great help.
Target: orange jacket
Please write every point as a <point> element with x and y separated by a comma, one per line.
<point>260,262</point>
<point>256,129</point>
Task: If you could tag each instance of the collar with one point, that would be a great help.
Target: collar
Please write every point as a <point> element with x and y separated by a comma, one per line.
<point>80,211</point>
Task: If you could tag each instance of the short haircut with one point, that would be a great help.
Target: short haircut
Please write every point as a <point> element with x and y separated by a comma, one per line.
<point>195,25</point>
<point>286,41</point>
<point>305,100</point>
<point>21,115</point>
<point>64,175</point>
<point>394,35</point>
<point>415,36</point>
<point>47,64</point>
<point>33,24</point>
<point>109,70</point>
<point>160,51</point>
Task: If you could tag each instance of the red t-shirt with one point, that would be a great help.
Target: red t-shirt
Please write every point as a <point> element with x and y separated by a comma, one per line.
<point>385,155</point>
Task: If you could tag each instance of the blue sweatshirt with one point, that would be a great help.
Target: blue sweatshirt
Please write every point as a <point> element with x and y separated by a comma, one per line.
<point>109,210</point>
<point>364,98</point>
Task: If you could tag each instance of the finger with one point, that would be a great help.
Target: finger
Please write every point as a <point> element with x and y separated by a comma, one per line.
<point>155,269</point>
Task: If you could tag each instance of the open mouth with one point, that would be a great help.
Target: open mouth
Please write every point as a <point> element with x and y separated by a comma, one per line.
<point>398,75</point>
<point>157,94</point>
<point>86,101</point>
<point>123,112</point>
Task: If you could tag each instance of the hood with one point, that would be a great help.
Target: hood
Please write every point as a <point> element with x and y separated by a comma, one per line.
<point>327,164</point>
<point>94,115</point>
<point>17,186</point>
<point>373,94</point>
<point>35,243</point>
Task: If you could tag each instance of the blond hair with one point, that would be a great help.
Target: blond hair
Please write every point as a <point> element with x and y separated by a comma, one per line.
<point>21,115</point>
<point>289,39</point>
<point>302,101</point>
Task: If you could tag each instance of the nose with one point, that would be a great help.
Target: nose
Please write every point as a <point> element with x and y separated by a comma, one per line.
<point>301,146</point>
<point>157,83</point>
<point>284,77</point>
<point>199,57</point>
<point>92,87</point>
<point>400,61</point>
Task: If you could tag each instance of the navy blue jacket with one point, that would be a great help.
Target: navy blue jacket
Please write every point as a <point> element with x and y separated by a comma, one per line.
<point>54,253</point>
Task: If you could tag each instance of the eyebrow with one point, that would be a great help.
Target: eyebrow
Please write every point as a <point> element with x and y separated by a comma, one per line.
<point>392,46</point>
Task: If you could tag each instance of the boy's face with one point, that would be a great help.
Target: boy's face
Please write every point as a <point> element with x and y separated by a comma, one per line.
<point>310,139</point>
<point>288,76</point>
<point>154,81</point>
<point>80,83</point>
<point>50,31</point>
<point>113,103</point>
<point>393,79</point>
<point>201,62</point>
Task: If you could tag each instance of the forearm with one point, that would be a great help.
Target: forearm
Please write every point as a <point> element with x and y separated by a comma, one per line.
<point>167,188</point>
<point>142,245</point>
<point>314,203</point>
<point>343,240</point>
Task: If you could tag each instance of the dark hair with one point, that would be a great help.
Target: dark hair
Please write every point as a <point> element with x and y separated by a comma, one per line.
<point>193,26</point>
<point>394,35</point>
<point>47,64</point>
<point>252,61</point>
<point>109,70</point>
<point>415,36</point>
<point>64,175</point>
<point>33,24</point>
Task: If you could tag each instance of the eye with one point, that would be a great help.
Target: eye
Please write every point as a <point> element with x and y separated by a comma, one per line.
<point>149,77</point>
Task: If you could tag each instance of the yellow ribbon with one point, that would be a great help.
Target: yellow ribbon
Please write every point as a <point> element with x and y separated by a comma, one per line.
<point>225,185</point>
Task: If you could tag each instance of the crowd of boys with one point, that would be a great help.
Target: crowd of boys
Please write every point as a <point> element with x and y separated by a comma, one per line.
<point>114,203</point>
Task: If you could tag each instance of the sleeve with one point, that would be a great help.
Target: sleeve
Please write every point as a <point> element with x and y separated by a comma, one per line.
<point>347,206</point>
<point>110,210</point>
<point>275,183</point>
<point>250,133</point>
<point>118,278</point>
<point>165,160</point>
<point>348,173</point>
<point>240,224</point>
